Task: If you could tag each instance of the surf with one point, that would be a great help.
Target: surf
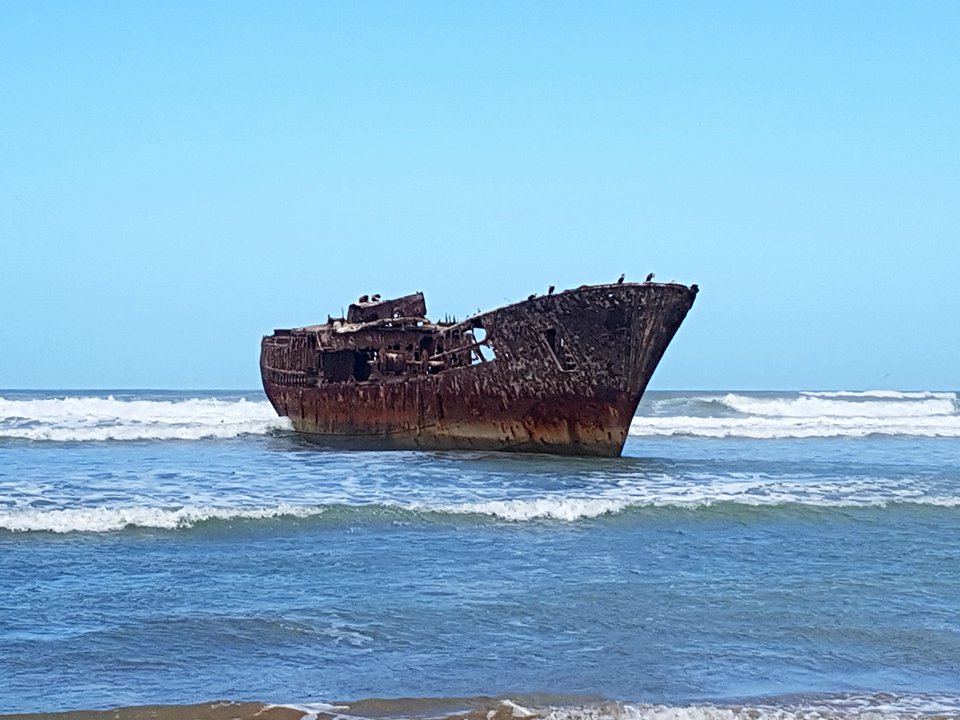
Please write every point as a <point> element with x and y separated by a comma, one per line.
<point>759,416</point>
<point>94,418</point>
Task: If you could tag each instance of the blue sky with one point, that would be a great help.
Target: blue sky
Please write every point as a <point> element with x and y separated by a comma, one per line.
<point>177,179</point>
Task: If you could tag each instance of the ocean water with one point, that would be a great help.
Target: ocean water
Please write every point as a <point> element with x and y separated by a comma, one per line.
<point>752,555</point>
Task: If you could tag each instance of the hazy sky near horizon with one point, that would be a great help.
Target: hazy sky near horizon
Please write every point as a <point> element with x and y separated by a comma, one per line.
<point>177,179</point>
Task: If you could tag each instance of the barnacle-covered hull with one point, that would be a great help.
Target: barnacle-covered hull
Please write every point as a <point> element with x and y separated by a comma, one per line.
<point>561,373</point>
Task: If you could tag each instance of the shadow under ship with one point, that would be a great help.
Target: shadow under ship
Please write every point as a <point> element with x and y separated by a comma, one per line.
<point>559,373</point>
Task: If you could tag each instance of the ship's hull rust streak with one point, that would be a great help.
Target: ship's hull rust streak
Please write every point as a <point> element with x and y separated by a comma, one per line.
<point>561,373</point>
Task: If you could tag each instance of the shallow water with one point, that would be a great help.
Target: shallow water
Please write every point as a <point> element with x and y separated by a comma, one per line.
<point>788,553</point>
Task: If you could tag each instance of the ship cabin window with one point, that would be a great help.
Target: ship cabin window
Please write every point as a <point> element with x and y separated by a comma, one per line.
<point>337,365</point>
<point>343,365</point>
<point>363,362</point>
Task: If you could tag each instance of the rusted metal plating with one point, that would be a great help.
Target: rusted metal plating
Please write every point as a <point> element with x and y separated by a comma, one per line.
<point>561,373</point>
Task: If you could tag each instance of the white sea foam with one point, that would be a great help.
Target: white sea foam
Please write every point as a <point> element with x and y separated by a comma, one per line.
<point>807,406</point>
<point>878,706</point>
<point>109,519</point>
<point>870,708</point>
<point>694,492</point>
<point>690,492</point>
<point>808,415</point>
<point>112,519</point>
<point>570,510</point>
<point>815,427</point>
<point>567,509</point>
<point>311,711</point>
<point>107,418</point>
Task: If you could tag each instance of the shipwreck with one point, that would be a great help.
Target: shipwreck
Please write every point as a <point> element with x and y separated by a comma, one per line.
<point>557,373</point>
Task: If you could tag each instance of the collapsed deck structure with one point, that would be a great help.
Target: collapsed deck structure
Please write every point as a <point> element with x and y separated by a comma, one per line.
<point>559,373</point>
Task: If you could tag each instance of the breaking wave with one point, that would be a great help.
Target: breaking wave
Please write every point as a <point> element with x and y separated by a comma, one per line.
<point>742,500</point>
<point>107,519</point>
<point>68,419</point>
<point>802,415</point>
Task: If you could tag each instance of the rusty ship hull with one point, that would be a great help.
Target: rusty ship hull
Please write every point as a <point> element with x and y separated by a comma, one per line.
<point>560,373</point>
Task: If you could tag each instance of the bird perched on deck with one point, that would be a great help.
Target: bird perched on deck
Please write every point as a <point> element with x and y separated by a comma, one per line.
<point>649,277</point>
<point>550,290</point>
<point>620,279</point>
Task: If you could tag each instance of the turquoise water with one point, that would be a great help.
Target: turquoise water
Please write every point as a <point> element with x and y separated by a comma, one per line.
<point>792,553</point>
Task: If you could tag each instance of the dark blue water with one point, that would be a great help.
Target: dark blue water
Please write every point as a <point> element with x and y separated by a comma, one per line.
<point>730,557</point>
